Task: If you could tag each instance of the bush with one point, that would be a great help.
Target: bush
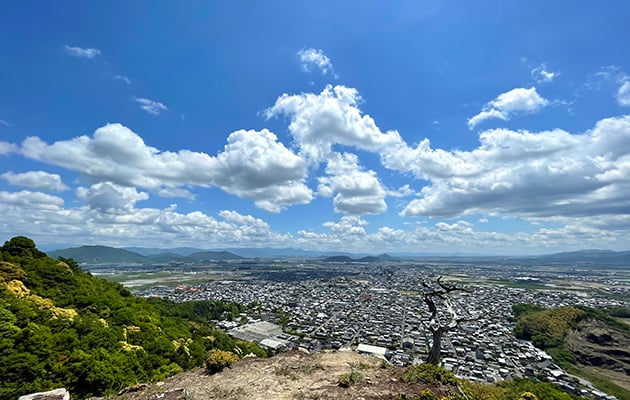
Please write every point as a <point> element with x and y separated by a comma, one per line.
<point>346,380</point>
<point>216,360</point>
<point>428,373</point>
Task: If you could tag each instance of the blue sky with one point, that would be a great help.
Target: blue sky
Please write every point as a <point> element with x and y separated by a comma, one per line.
<point>415,126</point>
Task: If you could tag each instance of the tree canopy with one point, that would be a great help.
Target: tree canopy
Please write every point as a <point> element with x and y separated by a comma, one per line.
<point>60,326</point>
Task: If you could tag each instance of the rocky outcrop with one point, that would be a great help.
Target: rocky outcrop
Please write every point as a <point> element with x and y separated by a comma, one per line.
<point>57,394</point>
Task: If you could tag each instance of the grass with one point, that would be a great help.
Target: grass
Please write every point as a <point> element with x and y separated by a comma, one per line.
<point>600,383</point>
<point>348,379</point>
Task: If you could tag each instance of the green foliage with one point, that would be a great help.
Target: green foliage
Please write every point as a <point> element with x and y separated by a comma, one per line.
<point>348,379</point>
<point>525,308</point>
<point>21,246</point>
<point>62,327</point>
<point>618,311</point>
<point>217,360</point>
<point>517,388</point>
<point>547,328</point>
<point>482,391</point>
<point>429,374</point>
<point>606,316</point>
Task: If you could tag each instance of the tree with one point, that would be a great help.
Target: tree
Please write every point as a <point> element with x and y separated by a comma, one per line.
<point>440,323</point>
<point>20,246</point>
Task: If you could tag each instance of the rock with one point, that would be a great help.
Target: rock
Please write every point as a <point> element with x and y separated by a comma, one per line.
<point>133,388</point>
<point>175,394</point>
<point>57,394</point>
<point>599,336</point>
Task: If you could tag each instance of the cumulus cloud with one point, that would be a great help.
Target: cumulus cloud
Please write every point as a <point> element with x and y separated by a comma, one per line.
<point>28,200</point>
<point>347,226</point>
<point>403,191</point>
<point>150,106</point>
<point>314,58</point>
<point>81,52</point>
<point>112,218</point>
<point>6,147</point>
<point>623,93</point>
<point>109,197</point>
<point>319,121</point>
<point>253,165</point>
<point>358,192</point>
<point>542,75</point>
<point>36,180</point>
<point>515,101</point>
<point>551,173</point>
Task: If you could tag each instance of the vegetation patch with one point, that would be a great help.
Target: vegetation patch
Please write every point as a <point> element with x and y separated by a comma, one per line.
<point>429,374</point>
<point>348,379</point>
<point>62,327</point>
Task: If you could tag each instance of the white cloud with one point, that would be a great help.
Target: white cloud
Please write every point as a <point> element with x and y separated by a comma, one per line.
<point>358,192</point>
<point>176,192</point>
<point>109,197</point>
<point>319,121</point>
<point>36,180</point>
<point>459,226</point>
<point>112,219</point>
<point>515,101</point>
<point>6,147</point>
<point>623,93</point>
<point>81,52</point>
<point>347,226</point>
<point>546,174</point>
<point>487,114</point>
<point>542,75</point>
<point>26,200</point>
<point>314,58</point>
<point>151,106</point>
<point>4,123</point>
<point>253,165</point>
<point>403,191</point>
<point>123,78</point>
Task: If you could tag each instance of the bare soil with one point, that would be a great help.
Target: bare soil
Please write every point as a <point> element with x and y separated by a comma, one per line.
<point>602,350</point>
<point>291,375</point>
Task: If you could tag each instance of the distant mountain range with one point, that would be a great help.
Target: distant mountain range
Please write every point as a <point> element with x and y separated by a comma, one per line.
<point>366,259</point>
<point>143,255</point>
<point>112,255</point>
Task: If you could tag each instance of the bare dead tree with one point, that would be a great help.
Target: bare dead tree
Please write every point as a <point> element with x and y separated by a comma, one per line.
<point>439,324</point>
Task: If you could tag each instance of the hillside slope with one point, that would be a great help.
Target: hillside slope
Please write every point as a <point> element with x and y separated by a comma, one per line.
<point>296,375</point>
<point>60,326</point>
<point>584,341</point>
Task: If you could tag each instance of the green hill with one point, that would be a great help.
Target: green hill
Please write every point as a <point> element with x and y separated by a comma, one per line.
<point>584,341</point>
<point>112,255</point>
<point>214,256</point>
<point>62,327</point>
<point>100,255</point>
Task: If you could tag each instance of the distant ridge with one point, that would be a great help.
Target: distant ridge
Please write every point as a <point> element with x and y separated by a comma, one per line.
<point>366,259</point>
<point>99,255</point>
<point>105,254</point>
<point>593,256</point>
<point>113,255</point>
<point>214,256</point>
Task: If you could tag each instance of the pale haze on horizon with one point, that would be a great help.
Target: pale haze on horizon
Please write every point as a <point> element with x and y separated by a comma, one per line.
<point>408,126</point>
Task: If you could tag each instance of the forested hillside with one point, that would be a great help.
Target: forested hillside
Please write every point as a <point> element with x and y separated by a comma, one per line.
<point>584,341</point>
<point>60,326</point>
